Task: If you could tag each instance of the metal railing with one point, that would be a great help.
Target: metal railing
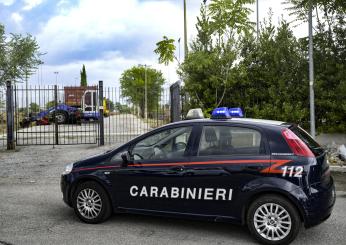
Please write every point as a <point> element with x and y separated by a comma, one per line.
<point>126,119</point>
<point>51,115</point>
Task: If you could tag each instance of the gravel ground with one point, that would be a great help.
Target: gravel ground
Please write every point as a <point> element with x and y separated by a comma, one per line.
<point>35,162</point>
<point>32,212</point>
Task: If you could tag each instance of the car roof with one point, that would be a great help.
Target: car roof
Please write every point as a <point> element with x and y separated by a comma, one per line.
<point>245,121</point>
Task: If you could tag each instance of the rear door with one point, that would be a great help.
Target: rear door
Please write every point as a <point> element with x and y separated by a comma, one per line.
<point>226,158</point>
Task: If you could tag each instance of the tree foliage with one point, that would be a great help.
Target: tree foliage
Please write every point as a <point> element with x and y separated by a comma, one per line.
<point>272,76</point>
<point>83,77</point>
<point>132,84</point>
<point>207,71</point>
<point>268,77</point>
<point>165,49</point>
<point>228,16</point>
<point>19,56</point>
<point>34,107</point>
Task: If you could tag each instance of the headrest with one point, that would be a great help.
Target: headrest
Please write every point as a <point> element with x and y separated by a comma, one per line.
<point>210,135</point>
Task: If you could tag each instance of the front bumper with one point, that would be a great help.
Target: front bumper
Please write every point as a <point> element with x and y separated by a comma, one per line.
<point>65,187</point>
<point>320,204</point>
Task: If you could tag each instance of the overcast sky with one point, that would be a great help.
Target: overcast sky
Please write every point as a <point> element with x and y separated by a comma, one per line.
<point>108,36</point>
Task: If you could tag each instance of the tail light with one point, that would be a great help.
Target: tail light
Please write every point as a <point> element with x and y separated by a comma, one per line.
<point>297,146</point>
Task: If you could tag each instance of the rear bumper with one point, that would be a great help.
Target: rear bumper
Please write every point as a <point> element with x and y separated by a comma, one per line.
<point>320,204</point>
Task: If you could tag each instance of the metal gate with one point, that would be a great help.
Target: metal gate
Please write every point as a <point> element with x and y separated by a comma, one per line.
<point>54,115</point>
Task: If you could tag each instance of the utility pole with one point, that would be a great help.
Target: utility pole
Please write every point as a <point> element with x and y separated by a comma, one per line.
<point>145,95</point>
<point>185,31</point>
<point>311,76</point>
<point>257,21</point>
<point>26,93</point>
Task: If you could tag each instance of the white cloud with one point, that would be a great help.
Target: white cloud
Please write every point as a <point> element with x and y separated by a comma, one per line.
<point>101,20</point>
<point>92,22</point>
<point>30,4</point>
<point>87,25</point>
<point>108,68</point>
<point>7,2</point>
<point>16,17</point>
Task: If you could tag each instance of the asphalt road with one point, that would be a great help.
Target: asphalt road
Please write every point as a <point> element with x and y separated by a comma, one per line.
<point>32,212</point>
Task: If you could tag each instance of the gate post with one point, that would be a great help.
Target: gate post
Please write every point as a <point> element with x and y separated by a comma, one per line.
<point>10,116</point>
<point>55,119</point>
<point>101,122</point>
<point>175,102</point>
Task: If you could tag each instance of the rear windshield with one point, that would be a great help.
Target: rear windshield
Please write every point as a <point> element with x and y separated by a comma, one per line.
<point>308,140</point>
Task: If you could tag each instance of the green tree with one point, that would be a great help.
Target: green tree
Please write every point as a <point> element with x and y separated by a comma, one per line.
<point>132,83</point>
<point>34,107</point>
<point>329,60</point>
<point>166,50</point>
<point>19,56</point>
<point>50,104</point>
<point>228,16</point>
<point>83,77</point>
<point>271,78</point>
<point>122,108</point>
<point>209,68</point>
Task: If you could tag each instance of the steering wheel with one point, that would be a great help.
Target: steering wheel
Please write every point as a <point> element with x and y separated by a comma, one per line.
<point>136,154</point>
<point>180,146</point>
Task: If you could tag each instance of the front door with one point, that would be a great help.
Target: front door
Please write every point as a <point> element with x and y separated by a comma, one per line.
<point>153,180</point>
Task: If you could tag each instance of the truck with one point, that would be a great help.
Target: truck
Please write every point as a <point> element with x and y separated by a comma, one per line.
<point>80,103</point>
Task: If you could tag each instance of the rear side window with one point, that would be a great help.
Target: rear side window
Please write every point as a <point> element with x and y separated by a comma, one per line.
<point>307,139</point>
<point>224,140</point>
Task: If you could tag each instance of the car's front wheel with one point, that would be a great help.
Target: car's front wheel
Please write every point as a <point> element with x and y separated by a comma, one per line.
<point>273,220</point>
<point>91,203</point>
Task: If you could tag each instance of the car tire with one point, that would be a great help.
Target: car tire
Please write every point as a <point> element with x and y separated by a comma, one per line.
<point>91,203</point>
<point>273,219</point>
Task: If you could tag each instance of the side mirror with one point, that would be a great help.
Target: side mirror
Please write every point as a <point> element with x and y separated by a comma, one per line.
<point>126,157</point>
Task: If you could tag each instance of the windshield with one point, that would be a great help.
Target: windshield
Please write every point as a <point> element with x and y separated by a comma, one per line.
<point>308,140</point>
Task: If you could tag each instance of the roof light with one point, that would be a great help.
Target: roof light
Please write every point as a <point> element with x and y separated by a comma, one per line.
<point>195,114</point>
<point>220,113</point>
<point>236,112</point>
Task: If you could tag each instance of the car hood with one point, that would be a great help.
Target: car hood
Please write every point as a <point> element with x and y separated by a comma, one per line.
<point>93,160</point>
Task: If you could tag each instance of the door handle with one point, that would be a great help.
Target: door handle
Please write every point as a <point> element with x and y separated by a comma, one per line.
<point>178,168</point>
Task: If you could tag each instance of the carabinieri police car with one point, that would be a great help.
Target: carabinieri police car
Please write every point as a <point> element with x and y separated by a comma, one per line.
<point>268,175</point>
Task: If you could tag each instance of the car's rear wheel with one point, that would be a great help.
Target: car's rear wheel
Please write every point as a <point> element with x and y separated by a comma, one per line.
<point>91,203</point>
<point>273,219</point>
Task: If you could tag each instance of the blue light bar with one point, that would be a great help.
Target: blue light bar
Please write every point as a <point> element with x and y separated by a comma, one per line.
<point>236,112</point>
<point>220,113</point>
<point>224,113</point>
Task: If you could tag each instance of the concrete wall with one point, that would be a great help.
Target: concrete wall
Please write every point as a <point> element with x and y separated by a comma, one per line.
<point>328,139</point>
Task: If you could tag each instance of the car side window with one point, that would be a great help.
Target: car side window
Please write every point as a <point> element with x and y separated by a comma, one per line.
<point>225,140</point>
<point>167,144</point>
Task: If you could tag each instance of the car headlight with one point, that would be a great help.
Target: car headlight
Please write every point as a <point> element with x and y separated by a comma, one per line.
<point>68,169</point>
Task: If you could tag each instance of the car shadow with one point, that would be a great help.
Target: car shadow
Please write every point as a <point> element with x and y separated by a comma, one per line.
<point>145,225</point>
<point>183,225</point>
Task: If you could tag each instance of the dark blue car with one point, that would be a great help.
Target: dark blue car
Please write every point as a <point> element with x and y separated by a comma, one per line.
<point>268,175</point>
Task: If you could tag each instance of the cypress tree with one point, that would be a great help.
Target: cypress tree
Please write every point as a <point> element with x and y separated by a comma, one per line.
<point>83,77</point>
